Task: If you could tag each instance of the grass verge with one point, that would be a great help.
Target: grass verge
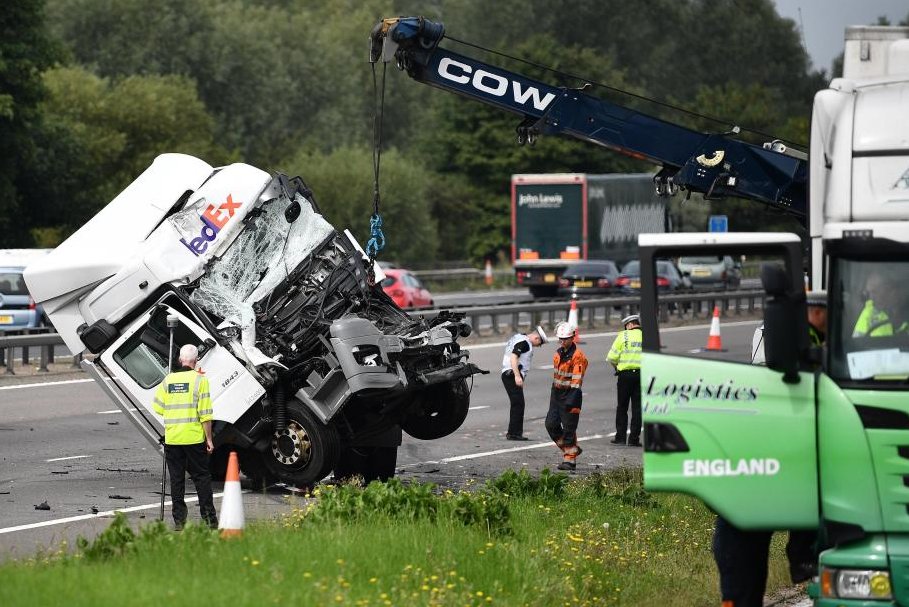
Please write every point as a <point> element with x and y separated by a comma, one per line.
<point>517,540</point>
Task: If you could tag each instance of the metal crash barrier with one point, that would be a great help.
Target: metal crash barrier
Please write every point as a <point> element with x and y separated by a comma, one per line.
<point>486,320</point>
<point>26,342</point>
<point>601,312</point>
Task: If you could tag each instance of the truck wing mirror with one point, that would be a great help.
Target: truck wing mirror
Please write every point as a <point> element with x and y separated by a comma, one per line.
<point>785,317</point>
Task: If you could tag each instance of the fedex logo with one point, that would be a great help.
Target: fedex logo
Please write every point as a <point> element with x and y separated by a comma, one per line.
<point>213,219</point>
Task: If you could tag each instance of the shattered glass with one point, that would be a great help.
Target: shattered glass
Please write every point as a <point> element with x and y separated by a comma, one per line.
<point>263,254</point>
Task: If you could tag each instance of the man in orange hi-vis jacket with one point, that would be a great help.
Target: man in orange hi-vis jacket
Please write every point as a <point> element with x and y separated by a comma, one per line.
<point>569,365</point>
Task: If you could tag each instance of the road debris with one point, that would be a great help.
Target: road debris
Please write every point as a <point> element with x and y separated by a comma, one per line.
<point>42,506</point>
<point>119,497</point>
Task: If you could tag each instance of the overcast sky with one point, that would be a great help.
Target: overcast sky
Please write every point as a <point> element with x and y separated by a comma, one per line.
<point>824,21</point>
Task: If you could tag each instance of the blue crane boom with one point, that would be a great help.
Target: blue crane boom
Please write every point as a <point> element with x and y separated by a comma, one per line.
<point>715,165</point>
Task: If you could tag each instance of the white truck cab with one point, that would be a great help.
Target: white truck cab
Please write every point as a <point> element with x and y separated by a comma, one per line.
<point>312,367</point>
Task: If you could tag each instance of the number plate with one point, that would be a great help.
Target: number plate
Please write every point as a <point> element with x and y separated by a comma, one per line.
<point>6,320</point>
<point>549,278</point>
<point>700,272</point>
<point>635,284</point>
<point>583,283</point>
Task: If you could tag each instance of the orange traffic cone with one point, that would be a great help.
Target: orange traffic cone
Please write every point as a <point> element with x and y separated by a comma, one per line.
<point>573,318</point>
<point>231,523</point>
<point>713,340</point>
<point>488,274</point>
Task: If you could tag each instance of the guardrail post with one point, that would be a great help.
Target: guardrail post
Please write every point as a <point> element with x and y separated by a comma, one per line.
<point>50,354</point>
<point>42,364</point>
<point>3,357</point>
<point>9,362</point>
<point>77,359</point>
<point>664,312</point>
<point>25,356</point>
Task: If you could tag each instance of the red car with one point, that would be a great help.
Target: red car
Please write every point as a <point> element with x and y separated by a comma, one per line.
<point>405,289</point>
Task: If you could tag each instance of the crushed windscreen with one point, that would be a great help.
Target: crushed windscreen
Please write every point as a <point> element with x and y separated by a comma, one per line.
<point>263,255</point>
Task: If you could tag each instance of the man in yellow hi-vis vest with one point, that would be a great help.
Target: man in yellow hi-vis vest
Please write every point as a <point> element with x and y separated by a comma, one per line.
<point>883,300</point>
<point>184,400</point>
<point>625,356</point>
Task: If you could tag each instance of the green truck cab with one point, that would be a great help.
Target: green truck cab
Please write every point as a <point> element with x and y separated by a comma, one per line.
<point>819,438</point>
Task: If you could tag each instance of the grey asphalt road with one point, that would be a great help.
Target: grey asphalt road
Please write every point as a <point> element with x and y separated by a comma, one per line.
<point>66,444</point>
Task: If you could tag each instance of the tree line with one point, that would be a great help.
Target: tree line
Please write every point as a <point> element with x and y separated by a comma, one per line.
<point>91,92</point>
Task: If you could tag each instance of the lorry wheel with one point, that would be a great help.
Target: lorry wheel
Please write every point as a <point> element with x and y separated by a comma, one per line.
<point>370,463</point>
<point>252,465</point>
<point>442,410</point>
<point>305,451</point>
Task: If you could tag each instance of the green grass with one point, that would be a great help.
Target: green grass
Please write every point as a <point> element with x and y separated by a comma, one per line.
<point>517,541</point>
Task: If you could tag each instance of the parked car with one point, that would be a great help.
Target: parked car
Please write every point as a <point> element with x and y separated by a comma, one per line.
<point>405,289</point>
<point>591,277</point>
<point>713,272</point>
<point>669,278</point>
<point>17,308</point>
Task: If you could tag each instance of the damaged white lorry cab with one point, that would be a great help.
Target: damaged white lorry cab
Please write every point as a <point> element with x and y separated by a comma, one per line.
<point>312,369</point>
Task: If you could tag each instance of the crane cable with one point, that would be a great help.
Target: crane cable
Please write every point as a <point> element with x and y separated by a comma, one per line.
<point>376,241</point>
<point>622,91</point>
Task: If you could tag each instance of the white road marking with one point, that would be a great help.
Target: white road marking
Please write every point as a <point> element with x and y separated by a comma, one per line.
<point>459,458</point>
<point>112,411</point>
<point>46,383</point>
<point>60,459</point>
<point>478,407</point>
<point>107,513</point>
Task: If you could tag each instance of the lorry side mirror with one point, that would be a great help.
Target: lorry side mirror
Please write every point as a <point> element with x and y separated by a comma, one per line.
<point>292,212</point>
<point>785,316</point>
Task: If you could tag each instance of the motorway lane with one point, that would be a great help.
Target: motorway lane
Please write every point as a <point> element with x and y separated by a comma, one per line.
<point>71,420</point>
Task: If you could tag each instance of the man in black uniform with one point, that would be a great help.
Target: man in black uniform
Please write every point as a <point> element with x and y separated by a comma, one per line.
<point>741,556</point>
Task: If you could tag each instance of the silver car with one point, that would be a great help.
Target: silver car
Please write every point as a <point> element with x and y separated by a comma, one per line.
<point>712,272</point>
<point>17,308</point>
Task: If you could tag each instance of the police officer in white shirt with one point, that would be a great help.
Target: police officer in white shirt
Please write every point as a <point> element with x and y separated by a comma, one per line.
<point>515,367</point>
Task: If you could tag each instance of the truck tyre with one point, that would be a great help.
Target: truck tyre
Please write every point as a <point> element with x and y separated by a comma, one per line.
<point>252,465</point>
<point>441,411</point>
<point>370,463</point>
<point>305,451</point>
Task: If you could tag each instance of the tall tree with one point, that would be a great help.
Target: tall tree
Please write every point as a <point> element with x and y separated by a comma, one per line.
<point>25,50</point>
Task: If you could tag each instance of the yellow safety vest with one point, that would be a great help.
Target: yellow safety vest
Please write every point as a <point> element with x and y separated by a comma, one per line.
<point>184,400</point>
<point>872,322</point>
<point>625,352</point>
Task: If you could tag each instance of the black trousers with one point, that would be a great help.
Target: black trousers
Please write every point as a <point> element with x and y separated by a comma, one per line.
<point>516,400</point>
<point>742,556</point>
<point>563,416</point>
<point>629,389</point>
<point>193,459</point>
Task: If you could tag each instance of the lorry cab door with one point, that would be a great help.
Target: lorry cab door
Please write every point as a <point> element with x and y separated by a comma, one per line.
<point>733,434</point>
<point>138,361</point>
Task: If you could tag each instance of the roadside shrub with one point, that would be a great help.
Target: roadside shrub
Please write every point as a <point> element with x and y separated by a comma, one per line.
<point>484,509</point>
<point>522,484</point>
<point>117,540</point>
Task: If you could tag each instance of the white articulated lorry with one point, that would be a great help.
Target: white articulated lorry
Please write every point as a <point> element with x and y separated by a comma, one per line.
<point>312,368</point>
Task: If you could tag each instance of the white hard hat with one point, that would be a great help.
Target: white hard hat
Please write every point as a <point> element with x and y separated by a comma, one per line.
<point>542,334</point>
<point>632,318</point>
<point>816,298</point>
<point>564,330</point>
